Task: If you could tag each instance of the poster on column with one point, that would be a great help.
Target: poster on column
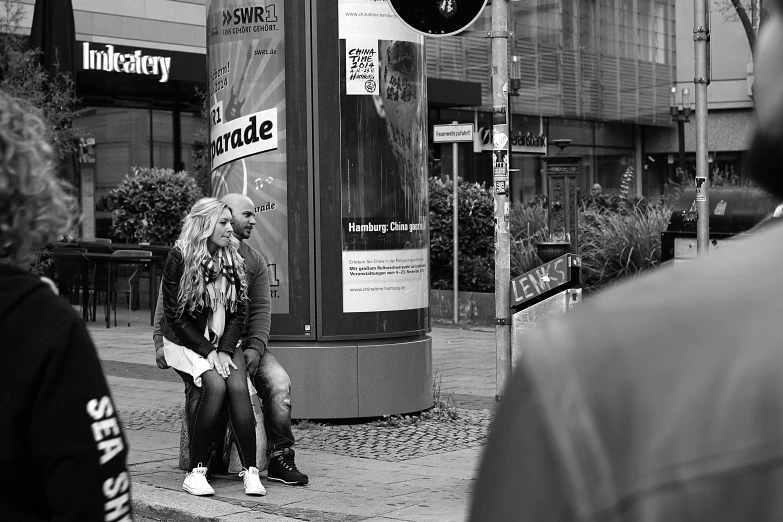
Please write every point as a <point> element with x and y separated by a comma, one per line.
<point>383,106</point>
<point>246,68</point>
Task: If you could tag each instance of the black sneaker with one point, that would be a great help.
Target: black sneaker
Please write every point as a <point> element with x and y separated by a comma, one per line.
<point>282,468</point>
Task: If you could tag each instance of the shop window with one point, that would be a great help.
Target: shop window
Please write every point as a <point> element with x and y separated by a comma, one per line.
<point>612,134</point>
<point>611,165</point>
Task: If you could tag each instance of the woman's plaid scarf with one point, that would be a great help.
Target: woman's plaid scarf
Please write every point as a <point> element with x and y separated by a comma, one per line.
<point>222,281</point>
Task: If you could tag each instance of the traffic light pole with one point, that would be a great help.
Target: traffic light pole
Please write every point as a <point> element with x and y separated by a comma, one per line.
<point>701,41</point>
<point>501,141</point>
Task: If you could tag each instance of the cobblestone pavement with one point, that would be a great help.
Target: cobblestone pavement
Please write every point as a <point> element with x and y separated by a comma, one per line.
<point>371,440</point>
<point>158,419</point>
<point>398,443</point>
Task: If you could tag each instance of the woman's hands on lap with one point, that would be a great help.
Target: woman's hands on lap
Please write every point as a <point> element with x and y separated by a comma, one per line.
<point>222,363</point>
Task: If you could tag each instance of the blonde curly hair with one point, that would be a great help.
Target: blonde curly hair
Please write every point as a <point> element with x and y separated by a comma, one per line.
<point>197,226</point>
<point>35,206</point>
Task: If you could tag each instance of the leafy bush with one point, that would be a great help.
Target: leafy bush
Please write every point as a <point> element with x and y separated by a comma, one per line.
<point>476,236</point>
<point>149,205</point>
<point>619,237</point>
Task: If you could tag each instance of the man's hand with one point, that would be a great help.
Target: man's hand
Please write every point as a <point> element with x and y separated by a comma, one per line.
<point>160,356</point>
<point>252,359</point>
<point>160,359</point>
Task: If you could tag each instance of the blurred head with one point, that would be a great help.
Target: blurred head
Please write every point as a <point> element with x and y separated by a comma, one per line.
<point>596,190</point>
<point>205,231</point>
<point>768,70</point>
<point>34,205</point>
<point>244,212</point>
<point>766,154</point>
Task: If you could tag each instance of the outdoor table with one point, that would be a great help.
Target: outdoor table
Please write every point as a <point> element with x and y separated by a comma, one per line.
<point>109,259</point>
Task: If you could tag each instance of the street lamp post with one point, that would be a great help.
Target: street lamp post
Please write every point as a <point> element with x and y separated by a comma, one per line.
<point>681,113</point>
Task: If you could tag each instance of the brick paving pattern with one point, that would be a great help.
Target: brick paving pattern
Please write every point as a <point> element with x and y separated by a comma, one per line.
<point>373,440</point>
<point>158,419</point>
<point>399,443</point>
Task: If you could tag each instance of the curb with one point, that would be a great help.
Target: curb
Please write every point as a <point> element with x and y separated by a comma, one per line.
<point>159,512</point>
<point>164,504</point>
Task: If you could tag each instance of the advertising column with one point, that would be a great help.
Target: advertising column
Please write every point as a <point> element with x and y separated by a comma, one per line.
<point>247,119</point>
<point>383,107</point>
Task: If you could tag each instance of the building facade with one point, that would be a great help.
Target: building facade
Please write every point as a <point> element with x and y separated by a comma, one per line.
<point>598,72</point>
<point>140,65</point>
<point>729,95</point>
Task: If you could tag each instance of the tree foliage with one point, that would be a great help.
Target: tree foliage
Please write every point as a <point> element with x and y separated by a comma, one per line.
<point>149,205</point>
<point>476,248</point>
<point>752,14</point>
<point>201,171</point>
<point>22,76</point>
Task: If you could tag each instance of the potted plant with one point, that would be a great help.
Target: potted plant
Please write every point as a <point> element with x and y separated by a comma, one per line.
<point>148,206</point>
<point>548,250</point>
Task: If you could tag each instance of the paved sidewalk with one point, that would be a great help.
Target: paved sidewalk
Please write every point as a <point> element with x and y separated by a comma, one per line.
<point>370,471</point>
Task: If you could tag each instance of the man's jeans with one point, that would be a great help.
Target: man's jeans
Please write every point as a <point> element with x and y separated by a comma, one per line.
<point>274,391</point>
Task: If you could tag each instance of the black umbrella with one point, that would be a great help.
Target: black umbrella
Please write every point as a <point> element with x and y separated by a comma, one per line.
<point>54,33</point>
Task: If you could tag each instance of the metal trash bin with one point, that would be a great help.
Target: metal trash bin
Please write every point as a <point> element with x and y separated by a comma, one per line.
<point>734,211</point>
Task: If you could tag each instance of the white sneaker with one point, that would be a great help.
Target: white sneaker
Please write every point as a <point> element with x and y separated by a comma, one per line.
<point>196,482</point>
<point>252,481</point>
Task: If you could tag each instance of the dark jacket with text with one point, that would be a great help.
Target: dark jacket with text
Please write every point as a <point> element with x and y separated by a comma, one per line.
<point>63,452</point>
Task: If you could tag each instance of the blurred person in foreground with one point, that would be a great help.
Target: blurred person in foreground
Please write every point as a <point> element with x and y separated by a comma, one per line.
<point>64,452</point>
<point>660,400</point>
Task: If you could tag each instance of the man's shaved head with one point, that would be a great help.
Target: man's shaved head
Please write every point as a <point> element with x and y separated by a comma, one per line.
<point>234,199</point>
<point>243,210</point>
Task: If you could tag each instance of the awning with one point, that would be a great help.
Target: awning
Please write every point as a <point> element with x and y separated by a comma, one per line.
<point>452,93</point>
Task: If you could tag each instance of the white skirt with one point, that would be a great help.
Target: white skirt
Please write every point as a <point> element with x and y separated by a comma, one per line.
<point>187,361</point>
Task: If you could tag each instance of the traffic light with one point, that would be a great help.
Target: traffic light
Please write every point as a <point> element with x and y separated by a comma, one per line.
<point>438,17</point>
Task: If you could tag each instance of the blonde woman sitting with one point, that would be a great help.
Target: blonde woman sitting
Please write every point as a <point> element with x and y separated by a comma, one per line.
<point>204,294</point>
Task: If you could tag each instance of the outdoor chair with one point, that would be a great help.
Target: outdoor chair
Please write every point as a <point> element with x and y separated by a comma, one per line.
<point>67,275</point>
<point>136,272</point>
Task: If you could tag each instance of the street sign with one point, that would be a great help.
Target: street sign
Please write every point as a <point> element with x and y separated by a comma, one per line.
<point>438,17</point>
<point>453,133</point>
<point>544,281</point>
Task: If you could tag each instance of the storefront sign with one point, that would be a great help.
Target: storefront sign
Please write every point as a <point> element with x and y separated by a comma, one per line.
<point>127,63</point>
<point>525,143</point>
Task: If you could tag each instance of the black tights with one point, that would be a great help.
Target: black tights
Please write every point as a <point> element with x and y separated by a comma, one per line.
<point>203,412</point>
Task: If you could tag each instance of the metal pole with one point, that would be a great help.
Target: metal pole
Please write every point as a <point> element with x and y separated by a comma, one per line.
<point>454,163</point>
<point>501,134</point>
<point>681,132</point>
<point>701,39</point>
